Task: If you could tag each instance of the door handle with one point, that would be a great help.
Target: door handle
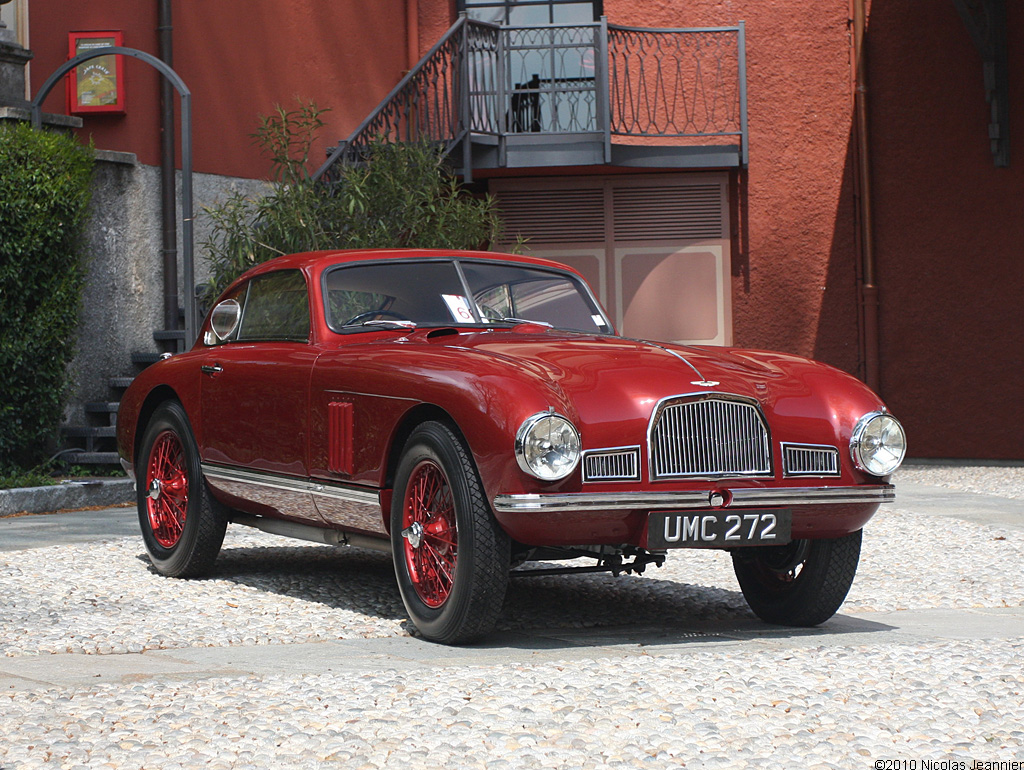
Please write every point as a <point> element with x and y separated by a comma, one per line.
<point>215,369</point>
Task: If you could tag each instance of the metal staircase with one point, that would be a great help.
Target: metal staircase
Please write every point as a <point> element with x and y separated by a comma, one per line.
<point>95,443</point>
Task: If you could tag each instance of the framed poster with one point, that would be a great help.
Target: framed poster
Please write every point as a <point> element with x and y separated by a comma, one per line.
<point>96,85</point>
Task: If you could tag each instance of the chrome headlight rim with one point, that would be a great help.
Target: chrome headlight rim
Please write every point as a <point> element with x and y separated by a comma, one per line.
<point>523,434</point>
<point>857,444</point>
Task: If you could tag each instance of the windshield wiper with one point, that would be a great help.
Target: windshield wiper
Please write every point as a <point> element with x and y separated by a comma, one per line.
<point>384,323</point>
<point>514,320</point>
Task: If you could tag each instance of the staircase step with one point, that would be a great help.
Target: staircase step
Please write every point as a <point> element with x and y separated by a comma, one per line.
<point>91,458</point>
<point>120,383</point>
<point>104,431</point>
<point>145,359</point>
<point>169,334</point>
<point>96,407</point>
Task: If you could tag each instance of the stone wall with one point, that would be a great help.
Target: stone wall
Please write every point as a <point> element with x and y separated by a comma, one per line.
<point>123,298</point>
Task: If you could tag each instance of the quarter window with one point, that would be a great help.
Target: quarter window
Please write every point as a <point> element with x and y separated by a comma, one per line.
<point>276,308</point>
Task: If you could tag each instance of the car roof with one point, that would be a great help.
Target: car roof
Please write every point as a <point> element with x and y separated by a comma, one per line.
<point>314,259</point>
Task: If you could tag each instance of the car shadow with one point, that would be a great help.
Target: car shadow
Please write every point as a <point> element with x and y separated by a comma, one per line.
<point>544,612</point>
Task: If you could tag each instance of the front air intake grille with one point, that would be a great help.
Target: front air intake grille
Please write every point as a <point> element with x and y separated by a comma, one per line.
<point>810,460</point>
<point>612,464</point>
<point>709,436</point>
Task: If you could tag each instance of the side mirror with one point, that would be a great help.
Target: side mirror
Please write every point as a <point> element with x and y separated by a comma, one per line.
<point>224,320</point>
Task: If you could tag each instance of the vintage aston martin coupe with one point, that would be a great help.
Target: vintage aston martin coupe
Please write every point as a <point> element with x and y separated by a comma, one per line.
<point>470,411</point>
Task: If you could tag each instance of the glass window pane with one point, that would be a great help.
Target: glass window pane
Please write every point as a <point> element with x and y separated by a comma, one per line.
<point>276,308</point>
<point>426,293</point>
<point>522,292</point>
<point>573,13</point>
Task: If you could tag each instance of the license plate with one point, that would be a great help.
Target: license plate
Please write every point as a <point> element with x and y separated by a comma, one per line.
<point>718,529</point>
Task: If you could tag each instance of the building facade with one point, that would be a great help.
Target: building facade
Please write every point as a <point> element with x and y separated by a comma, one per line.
<point>723,173</point>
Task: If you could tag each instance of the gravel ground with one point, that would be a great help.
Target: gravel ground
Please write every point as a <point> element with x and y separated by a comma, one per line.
<point>1005,481</point>
<point>834,706</point>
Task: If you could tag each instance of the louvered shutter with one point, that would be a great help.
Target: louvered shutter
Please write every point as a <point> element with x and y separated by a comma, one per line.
<point>554,216</point>
<point>667,213</point>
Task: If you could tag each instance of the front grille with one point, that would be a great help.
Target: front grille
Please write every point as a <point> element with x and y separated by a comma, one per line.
<point>612,465</point>
<point>810,460</point>
<point>709,437</point>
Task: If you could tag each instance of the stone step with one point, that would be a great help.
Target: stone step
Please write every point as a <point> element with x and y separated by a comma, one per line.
<point>169,334</point>
<point>145,359</point>
<point>120,383</point>
<point>91,458</point>
<point>102,406</point>
<point>98,431</point>
<point>108,408</point>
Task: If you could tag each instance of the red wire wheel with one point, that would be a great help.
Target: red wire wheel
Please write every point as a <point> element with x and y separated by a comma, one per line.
<point>451,556</point>
<point>167,488</point>
<point>432,549</point>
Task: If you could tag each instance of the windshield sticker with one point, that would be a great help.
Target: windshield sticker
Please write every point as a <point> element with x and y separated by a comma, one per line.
<point>458,306</point>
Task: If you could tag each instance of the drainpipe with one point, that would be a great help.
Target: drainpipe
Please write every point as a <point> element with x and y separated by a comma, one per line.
<point>869,288</point>
<point>412,32</point>
<point>167,197</point>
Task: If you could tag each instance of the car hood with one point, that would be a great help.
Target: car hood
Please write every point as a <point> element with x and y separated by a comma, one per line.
<point>607,382</point>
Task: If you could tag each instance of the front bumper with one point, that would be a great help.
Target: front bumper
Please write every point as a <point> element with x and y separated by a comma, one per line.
<point>735,498</point>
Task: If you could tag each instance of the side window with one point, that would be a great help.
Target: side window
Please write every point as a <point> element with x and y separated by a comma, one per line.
<point>276,307</point>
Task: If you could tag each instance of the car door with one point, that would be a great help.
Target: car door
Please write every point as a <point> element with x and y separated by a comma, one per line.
<point>255,400</point>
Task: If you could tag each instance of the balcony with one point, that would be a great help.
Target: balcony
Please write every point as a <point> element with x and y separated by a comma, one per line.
<point>593,94</point>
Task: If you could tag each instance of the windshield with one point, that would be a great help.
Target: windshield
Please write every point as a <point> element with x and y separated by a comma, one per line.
<point>457,292</point>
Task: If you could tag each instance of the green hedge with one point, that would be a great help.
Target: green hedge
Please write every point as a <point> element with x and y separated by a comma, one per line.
<point>44,195</point>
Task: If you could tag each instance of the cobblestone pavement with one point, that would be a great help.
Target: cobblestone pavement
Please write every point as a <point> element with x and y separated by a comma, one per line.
<point>301,656</point>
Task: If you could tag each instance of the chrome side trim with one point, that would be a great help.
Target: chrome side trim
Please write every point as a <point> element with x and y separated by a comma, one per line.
<point>292,484</point>
<point>737,498</point>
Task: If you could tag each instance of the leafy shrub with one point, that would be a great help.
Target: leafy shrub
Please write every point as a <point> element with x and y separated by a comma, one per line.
<point>44,194</point>
<point>402,197</point>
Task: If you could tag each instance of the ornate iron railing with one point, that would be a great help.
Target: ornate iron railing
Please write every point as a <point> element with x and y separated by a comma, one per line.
<point>677,83</point>
<point>482,80</point>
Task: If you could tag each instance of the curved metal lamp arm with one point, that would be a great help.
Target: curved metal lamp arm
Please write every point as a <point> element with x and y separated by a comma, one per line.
<point>186,157</point>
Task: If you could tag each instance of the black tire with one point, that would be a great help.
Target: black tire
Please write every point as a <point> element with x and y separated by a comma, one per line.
<point>800,584</point>
<point>453,572</point>
<point>182,524</point>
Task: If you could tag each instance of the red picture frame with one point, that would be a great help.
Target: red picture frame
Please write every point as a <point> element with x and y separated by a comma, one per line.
<point>96,85</point>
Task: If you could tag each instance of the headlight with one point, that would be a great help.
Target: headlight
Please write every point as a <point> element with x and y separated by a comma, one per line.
<point>548,446</point>
<point>878,444</point>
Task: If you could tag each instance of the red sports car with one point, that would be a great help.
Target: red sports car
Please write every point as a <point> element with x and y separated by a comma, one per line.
<point>470,411</point>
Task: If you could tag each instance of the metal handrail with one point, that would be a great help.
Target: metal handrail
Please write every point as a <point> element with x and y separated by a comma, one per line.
<point>485,80</point>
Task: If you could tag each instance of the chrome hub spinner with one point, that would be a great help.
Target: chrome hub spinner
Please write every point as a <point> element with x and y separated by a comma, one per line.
<point>155,488</point>
<point>414,534</point>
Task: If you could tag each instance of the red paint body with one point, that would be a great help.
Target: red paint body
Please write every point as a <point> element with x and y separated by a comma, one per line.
<point>269,410</point>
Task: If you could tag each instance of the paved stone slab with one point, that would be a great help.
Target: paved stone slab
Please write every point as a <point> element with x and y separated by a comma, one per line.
<point>40,530</point>
<point>505,648</point>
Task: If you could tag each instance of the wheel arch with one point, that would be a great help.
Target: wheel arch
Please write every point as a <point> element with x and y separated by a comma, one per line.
<point>415,417</point>
<point>159,395</point>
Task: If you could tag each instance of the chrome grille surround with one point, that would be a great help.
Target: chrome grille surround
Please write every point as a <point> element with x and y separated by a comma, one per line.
<point>618,464</point>
<point>708,435</point>
<point>809,460</point>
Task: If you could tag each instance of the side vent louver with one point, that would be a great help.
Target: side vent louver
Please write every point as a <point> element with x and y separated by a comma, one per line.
<point>339,437</point>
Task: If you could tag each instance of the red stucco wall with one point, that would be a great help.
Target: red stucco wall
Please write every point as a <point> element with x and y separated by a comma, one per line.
<point>239,59</point>
<point>949,233</point>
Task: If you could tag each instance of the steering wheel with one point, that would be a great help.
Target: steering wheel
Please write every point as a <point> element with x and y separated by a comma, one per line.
<point>367,315</point>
